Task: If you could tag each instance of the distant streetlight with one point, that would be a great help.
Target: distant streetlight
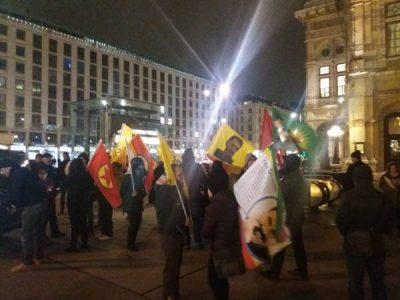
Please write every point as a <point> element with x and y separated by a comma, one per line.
<point>206,93</point>
<point>341,100</point>
<point>223,120</point>
<point>104,102</point>
<point>293,115</point>
<point>224,90</point>
<point>335,132</point>
<point>123,102</point>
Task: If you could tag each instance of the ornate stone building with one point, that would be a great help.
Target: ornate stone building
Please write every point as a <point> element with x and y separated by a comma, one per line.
<point>353,77</point>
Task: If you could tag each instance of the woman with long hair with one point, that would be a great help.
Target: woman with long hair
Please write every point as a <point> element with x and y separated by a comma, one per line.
<point>78,183</point>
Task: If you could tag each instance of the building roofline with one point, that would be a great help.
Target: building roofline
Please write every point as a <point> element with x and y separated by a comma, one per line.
<point>260,99</point>
<point>41,25</point>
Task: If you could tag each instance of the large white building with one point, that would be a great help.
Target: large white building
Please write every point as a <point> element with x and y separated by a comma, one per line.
<point>44,69</point>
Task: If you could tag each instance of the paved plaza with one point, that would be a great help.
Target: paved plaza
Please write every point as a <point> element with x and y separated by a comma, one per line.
<point>108,271</point>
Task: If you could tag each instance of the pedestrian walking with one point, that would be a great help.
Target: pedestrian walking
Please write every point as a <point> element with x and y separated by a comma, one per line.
<point>61,178</point>
<point>363,218</point>
<point>78,184</point>
<point>221,226</point>
<point>196,180</point>
<point>26,192</point>
<point>390,185</point>
<point>132,193</point>
<point>52,176</point>
<point>295,193</point>
<point>170,206</point>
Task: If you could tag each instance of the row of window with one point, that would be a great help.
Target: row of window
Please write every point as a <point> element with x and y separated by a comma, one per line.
<point>327,76</point>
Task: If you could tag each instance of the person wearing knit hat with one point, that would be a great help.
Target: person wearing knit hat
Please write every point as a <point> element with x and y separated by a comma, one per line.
<point>356,161</point>
<point>221,226</point>
<point>363,217</point>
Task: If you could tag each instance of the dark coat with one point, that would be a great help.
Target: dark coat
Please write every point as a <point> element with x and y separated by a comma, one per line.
<point>393,194</point>
<point>349,182</point>
<point>25,188</point>
<point>221,226</point>
<point>295,193</point>
<point>61,170</point>
<point>364,209</point>
<point>196,180</point>
<point>79,190</point>
<point>131,204</point>
<point>169,210</point>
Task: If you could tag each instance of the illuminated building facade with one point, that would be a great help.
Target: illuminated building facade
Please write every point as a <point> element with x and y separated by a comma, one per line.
<point>44,69</point>
<point>353,77</point>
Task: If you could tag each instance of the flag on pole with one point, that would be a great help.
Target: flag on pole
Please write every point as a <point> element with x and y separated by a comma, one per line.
<point>168,157</point>
<point>140,150</point>
<point>262,212</point>
<point>100,169</point>
<point>119,153</point>
<point>266,133</point>
<point>230,148</point>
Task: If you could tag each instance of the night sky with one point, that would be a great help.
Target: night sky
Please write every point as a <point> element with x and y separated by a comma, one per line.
<point>213,28</point>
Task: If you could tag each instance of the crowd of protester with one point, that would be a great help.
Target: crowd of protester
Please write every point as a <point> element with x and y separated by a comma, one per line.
<point>201,205</point>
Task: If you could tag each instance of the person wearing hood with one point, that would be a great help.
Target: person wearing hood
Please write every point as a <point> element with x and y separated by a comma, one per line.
<point>196,180</point>
<point>221,226</point>
<point>26,192</point>
<point>295,193</point>
<point>390,185</point>
<point>132,193</point>
<point>78,184</point>
<point>363,217</point>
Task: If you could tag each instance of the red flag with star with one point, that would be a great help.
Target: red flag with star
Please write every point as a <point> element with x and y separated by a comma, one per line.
<point>141,151</point>
<point>102,173</point>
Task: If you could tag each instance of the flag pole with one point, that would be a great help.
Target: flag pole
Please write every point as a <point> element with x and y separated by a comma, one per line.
<point>130,166</point>
<point>183,204</point>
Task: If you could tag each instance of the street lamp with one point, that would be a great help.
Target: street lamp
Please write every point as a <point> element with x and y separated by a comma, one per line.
<point>206,93</point>
<point>224,90</point>
<point>293,115</point>
<point>335,132</point>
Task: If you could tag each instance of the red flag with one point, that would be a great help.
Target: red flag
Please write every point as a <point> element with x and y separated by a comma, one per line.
<point>266,131</point>
<point>141,151</point>
<point>102,173</point>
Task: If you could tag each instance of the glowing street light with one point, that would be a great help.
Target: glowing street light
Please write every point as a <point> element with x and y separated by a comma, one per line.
<point>293,115</point>
<point>224,90</point>
<point>123,102</point>
<point>104,102</point>
<point>223,121</point>
<point>207,93</point>
<point>335,131</point>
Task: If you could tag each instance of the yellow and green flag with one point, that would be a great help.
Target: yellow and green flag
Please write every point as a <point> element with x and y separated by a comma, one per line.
<point>118,153</point>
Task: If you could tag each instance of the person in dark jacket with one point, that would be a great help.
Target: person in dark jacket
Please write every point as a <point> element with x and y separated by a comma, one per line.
<point>356,161</point>
<point>78,184</point>
<point>196,180</point>
<point>132,193</point>
<point>221,226</point>
<point>390,185</point>
<point>52,175</point>
<point>26,192</point>
<point>295,193</point>
<point>158,172</point>
<point>363,218</point>
<point>172,216</point>
<point>61,178</point>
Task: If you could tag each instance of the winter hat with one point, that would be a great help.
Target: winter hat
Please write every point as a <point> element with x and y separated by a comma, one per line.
<point>218,178</point>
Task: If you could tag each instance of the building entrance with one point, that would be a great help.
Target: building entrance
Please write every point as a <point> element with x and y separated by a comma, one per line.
<point>392,138</point>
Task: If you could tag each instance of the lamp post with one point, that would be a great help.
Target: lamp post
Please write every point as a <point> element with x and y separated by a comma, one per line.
<point>335,132</point>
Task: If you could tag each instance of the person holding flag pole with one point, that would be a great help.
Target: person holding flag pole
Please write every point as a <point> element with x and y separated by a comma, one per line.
<point>173,216</point>
<point>132,193</point>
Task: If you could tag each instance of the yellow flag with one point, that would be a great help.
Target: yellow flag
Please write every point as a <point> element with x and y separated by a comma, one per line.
<point>118,154</point>
<point>168,157</point>
<point>229,147</point>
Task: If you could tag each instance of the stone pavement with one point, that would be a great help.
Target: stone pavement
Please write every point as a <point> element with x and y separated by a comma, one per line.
<point>108,271</point>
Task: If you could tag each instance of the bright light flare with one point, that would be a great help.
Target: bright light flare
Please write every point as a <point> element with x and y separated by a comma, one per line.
<point>224,90</point>
<point>207,93</point>
<point>293,115</point>
<point>335,131</point>
<point>104,102</point>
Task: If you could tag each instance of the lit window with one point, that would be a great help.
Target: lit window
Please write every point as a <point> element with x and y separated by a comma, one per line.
<point>19,85</point>
<point>393,34</point>
<point>341,83</point>
<point>324,70</point>
<point>341,68</point>
<point>324,87</point>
